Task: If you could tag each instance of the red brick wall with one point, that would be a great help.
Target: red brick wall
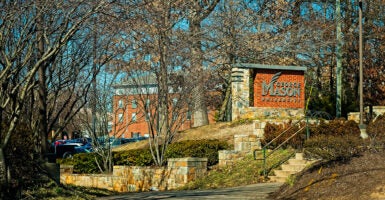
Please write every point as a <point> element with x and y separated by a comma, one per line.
<point>284,93</point>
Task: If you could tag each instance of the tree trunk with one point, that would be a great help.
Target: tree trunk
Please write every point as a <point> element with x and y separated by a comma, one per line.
<point>200,109</point>
<point>223,110</point>
<point>42,132</point>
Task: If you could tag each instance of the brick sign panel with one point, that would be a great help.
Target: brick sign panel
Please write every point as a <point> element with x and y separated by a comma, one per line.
<point>279,88</point>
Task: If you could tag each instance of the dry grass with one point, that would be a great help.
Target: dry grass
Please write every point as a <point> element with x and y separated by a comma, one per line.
<point>221,131</point>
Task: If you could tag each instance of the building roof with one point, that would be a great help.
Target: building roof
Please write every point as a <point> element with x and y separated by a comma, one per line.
<point>262,66</point>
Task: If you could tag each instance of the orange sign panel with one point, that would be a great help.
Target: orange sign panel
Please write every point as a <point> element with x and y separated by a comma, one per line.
<point>279,88</point>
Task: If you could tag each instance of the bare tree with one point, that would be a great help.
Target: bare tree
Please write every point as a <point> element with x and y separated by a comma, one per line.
<point>23,28</point>
<point>197,12</point>
<point>153,71</point>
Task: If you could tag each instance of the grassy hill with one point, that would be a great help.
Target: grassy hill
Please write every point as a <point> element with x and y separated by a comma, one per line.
<point>222,131</point>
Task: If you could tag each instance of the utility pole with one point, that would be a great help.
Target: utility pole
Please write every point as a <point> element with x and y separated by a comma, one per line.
<point>362,125</point>
<point>339,59</point>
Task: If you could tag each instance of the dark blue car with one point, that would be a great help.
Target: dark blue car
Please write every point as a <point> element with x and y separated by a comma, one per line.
<point>67,148</point>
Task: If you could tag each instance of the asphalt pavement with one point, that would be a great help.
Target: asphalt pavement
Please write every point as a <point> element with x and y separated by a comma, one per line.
<point>258,191</point>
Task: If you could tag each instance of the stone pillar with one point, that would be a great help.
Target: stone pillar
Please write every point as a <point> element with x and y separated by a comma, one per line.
<point>185,170</point>
<point>240,87</point>
<point>66,169</point>
<point>246,143</point>
<point>228,157</point>
<point>259,128</point>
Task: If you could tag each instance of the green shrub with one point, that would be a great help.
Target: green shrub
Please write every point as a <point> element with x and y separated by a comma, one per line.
<point>135,157</point>
<point>197,148</point>
<point>376,129</point>
<point>272,131</point>
<point>328,147</point>
<point>20,159</point>
<point>336,127</point>
<point>83,163</point>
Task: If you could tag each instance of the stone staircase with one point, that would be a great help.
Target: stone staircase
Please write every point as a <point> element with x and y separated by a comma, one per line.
<point>292,166</point>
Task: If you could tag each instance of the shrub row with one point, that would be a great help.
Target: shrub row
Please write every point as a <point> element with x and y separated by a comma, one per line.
<point>198,148</point>
<point>337,139</point>
<point>328,147</point>
<point>86,163</point>
<point>376,129</point>
<point>284,131</point>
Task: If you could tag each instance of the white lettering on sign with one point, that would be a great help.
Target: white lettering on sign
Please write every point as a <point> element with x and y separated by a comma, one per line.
<point>284,90</point>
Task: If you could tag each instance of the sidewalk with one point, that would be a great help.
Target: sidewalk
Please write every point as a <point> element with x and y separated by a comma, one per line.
<point>258,191</point>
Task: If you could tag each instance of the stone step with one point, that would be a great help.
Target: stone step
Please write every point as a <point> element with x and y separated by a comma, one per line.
<point>292,166</point>
<point>284,173</point>
<point>288,167</point>
<point>297,162</point>
<point>299,156</point>
<point>278,179</point>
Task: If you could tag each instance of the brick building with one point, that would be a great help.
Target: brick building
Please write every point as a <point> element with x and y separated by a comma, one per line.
<point>135,103</point>
<point>268,91</point>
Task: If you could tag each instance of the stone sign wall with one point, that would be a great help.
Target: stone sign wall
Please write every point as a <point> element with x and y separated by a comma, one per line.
<point>268,92</point>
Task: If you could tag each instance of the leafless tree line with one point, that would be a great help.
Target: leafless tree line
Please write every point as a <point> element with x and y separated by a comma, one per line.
<point>53,53</point>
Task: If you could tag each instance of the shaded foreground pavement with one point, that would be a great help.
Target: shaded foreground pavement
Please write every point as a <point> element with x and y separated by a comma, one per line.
<point>258,191</point>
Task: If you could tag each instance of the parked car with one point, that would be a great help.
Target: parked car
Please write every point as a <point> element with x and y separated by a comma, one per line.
<point>119,141</point>
<point>67,148</point>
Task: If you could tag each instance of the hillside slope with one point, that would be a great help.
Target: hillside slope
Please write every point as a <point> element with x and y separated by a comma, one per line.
<point>221,130</point>
<point>362,177</point>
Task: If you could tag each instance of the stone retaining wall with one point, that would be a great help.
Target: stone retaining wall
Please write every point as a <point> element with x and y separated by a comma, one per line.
<point>178,172</point>
<point>245,144</point>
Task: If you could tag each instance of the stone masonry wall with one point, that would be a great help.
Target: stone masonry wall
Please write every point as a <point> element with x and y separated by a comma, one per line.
<point>178,172</point>
<point>245,144</point>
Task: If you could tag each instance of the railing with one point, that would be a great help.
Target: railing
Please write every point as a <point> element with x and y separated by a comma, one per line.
<point>264,148</point>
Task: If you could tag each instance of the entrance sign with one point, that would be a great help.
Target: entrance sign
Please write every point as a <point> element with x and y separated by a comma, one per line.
<point>279,88</point>
<point>267,91</point>
<point>284,89</point>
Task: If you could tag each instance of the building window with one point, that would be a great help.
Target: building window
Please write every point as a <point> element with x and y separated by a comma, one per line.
<point>133,117</point>
<point>135,134</point>
<point>174,101</point>
<point>134,103</point>
<point>120,117</point>
<point>120,104</point>
<point>174,116</point>
<point>147,106</point>
<point>188,117</point>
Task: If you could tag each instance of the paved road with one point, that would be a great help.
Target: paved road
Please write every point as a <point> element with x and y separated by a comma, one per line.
<point>256,191</point>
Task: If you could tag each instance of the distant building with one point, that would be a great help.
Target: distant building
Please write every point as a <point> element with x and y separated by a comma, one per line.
<point>134,103</point>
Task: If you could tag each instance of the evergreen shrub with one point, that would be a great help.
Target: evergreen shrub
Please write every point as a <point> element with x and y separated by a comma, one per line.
<point>197,148</point>
<point>134,157</point>
<point>376,129</point>
<point>83,163</point>
<point>272,131</point>
<point>336,127</point>
<point>337,139</point>
<point>331,147</point>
